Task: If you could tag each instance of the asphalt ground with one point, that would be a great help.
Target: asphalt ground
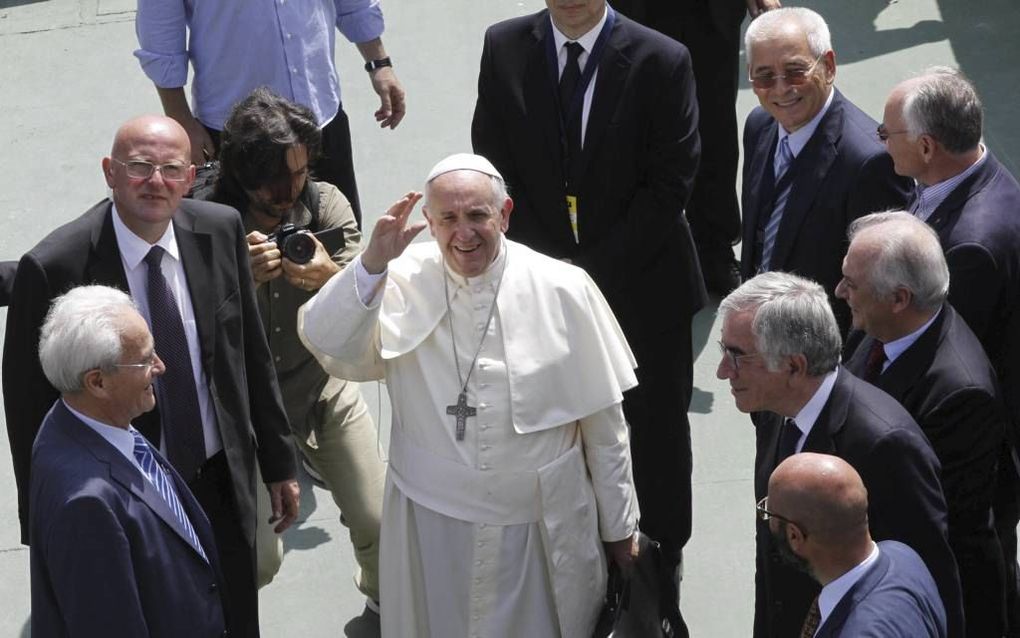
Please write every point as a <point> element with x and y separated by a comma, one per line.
<point>68,79</point>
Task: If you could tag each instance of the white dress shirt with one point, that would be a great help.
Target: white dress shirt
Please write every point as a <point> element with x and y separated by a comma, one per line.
<point>587,42</point>
<point>133,250</point>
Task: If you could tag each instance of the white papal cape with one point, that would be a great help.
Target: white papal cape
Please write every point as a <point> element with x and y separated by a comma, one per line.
<point>498,534</point>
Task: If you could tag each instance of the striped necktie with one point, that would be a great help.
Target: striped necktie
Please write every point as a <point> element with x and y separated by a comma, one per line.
<point>782,162</point>
<point>164,485</point>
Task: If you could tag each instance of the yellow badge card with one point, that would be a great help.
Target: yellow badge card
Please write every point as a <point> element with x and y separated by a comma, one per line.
<point>572,211</point>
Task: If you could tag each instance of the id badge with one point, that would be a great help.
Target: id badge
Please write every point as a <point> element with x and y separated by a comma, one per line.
<point>572,211</point>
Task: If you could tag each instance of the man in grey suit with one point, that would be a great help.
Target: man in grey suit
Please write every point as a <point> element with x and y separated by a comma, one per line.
<point>112,522</point>
<point>219,408</point>
<point>817,512</point>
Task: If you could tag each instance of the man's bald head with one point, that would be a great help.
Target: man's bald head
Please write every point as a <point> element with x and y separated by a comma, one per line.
<point>146,127</point>
<point>824,495</point>
<point>146,204</point>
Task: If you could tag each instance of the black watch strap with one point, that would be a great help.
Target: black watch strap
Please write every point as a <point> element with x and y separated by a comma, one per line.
<point>372,65</point>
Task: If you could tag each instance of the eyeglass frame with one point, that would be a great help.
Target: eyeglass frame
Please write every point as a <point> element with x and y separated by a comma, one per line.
<point>884,134</point>
<point>763,514</point>
<point>152,169</point>
<point>733,357</point>
<point>147,366</point>
<point>800,76</point>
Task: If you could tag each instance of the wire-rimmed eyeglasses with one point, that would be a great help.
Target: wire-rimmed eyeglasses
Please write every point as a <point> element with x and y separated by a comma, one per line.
<point>733,357</point>
<point>138,169</point>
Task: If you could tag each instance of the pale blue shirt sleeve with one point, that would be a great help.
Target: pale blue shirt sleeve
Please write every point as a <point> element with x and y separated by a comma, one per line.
<point>359,20</point>
<point>162,30</point>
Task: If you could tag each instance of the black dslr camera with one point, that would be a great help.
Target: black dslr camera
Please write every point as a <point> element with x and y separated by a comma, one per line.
<point>294,243</point>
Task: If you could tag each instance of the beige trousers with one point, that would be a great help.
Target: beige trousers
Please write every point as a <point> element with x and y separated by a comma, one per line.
<point>345,451</point>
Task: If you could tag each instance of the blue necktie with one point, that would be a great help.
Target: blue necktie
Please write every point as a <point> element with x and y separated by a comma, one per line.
<point>164,485</point>
<point>782,162</point>
<point>177,394</point>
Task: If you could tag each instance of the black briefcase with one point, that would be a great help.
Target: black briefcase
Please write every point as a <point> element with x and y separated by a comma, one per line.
<point>644,604</point>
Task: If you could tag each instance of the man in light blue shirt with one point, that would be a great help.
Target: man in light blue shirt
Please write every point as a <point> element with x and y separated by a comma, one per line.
<point>236,46</point>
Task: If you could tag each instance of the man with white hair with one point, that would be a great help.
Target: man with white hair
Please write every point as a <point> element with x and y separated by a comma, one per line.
<point>780,352</point>
<point>113,523</point>
<point>920,351</point>
<point>812,162</point>
<point>509,458</point>
<point>932,130</point>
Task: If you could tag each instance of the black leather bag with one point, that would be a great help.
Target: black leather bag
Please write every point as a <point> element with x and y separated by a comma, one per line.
<point>643,604</point>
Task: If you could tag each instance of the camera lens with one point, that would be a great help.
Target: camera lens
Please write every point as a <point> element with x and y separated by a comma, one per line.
<point>299,248</point>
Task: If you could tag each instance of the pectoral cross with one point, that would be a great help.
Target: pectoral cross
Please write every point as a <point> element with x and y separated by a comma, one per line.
<point>462,411</point>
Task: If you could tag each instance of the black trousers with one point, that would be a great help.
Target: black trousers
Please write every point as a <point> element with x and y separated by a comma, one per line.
<point>336,162</point>
<point>710,29</point>
<point>214,492</point>
<point>660,440</point>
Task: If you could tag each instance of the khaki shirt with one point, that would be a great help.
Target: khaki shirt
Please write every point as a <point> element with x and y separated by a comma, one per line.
<point>311,397</point>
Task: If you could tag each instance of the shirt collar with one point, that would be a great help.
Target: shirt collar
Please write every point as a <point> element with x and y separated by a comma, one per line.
<point>895,348</point>
<point>936,193</point>
<point>808,414</point>
<point>800,137</point>
<point>120,438</point>
<point>832,593</point>
<point>587,40</point>
<point>133,248</point>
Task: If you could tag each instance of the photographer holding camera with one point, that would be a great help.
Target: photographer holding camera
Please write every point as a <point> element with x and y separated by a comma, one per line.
<point>301,233</point>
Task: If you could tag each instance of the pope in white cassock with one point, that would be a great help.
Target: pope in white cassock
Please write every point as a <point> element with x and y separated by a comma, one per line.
<point>509,463</point>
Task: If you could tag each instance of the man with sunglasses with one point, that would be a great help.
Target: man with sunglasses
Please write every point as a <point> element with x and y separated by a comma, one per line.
<point>185,264</point>
<point>868,588</point>
<point>781,349</point>
<point>812,163</point>
<point>932,130</point>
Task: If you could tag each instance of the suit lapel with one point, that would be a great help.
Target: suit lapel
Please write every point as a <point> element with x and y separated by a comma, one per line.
<point>196,257</point>
<point>609,83</point>
<point>811,166</point>
<point>768,427</point>
<point>832,417</point>
<point>759,193</point>
<point>860,590</point>
<point>105,266</point>
<point>903,373</point>
<point>122,472</point>
<point>950,207</point>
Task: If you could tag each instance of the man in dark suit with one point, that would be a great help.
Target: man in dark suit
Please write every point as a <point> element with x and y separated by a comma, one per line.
<point>917,349</point>
<point>185,263</point>
<point>812,162</point>
<point>781,349</point>
<point>817,513</point>
<point>592,120</point>
<point>112,522</point>
<point>711,32</point>
<point>932,128</point>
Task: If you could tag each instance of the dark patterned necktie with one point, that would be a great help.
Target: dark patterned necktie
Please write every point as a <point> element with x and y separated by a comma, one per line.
<point>814,616</point>
<point>177,397</point>
<point>788,440</point>
<point>873,365</point>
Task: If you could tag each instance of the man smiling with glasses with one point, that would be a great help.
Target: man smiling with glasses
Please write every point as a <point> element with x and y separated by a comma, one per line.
<point>781,351</point>
<point>812,163</point>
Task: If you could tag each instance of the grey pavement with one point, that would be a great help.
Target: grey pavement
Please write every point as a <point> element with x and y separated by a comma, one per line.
<point>68,79</point>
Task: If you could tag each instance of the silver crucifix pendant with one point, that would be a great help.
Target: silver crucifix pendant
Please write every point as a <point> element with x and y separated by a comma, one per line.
<point>462,411</point>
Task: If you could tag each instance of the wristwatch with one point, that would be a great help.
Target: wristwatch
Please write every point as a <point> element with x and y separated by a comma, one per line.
<point>372,65</point>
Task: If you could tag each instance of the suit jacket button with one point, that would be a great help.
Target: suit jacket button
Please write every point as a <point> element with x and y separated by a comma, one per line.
<point>213,587</point>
